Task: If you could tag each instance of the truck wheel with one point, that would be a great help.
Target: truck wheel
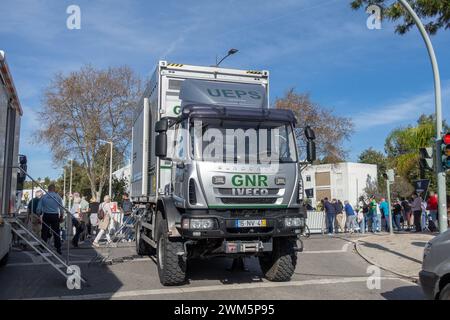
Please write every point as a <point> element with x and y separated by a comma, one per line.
<point>142,247</point>
<point>4,260</point>
<point>445,293</point>
<point>279,265</point>
<point>171,266</point>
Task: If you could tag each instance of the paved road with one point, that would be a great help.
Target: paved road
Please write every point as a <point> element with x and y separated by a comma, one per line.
<point>328,269</point>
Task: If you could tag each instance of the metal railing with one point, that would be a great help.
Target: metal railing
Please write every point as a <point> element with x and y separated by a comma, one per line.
<point>68,214</point>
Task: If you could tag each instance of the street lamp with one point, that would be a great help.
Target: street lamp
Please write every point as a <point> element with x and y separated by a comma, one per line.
<point>110,165</point>
<point>230,52</point>
<point>70,184</point>
<point>440,172</point>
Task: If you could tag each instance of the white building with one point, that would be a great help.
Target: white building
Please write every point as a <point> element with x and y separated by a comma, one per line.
<point>124,173</point>
<point>342,181</point>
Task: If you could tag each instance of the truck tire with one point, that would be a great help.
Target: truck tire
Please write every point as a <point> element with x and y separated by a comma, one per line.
<point>4,260</point>
<point>142,247</point>
<point>445,293</point>
<point>279,265</point>
<point>171,266</point>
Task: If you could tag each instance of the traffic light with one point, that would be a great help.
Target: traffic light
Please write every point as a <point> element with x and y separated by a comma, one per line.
<point>446,151</point>
<point>426,158</point>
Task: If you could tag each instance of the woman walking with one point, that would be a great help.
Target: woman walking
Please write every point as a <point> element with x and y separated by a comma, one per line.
<point>104,215</point>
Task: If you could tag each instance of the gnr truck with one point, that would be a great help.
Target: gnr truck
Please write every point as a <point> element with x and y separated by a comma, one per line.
<point>215,171</point>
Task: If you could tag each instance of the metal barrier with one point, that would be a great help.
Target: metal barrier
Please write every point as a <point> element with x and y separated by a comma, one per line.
<point>316,222</point>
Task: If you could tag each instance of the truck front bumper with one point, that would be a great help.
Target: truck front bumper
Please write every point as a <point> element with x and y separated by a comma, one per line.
<point>225,225</point>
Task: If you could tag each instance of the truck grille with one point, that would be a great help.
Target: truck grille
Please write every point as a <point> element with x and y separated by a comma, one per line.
<point>229,191</point>
<point>192,194</point>
<point>249,200</point>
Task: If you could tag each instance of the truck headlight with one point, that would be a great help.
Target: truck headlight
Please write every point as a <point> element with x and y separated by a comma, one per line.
<point>198,224</point>
<point>218,180</point>
<point>294,222</point>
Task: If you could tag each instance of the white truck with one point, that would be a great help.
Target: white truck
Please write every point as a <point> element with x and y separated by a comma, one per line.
<point>10,114</point>
<point>215,171</point>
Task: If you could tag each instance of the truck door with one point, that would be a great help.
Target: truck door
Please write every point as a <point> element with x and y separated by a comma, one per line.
<point>179,159</point>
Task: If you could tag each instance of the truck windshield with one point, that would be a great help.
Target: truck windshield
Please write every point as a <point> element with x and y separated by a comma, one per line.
<point>243,141</point>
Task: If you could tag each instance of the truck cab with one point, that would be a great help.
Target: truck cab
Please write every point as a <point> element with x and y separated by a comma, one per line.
<point>229,181</point>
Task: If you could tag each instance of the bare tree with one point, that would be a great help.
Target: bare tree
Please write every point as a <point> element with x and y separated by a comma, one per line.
<point>83,107</point>
<point>331,130</point>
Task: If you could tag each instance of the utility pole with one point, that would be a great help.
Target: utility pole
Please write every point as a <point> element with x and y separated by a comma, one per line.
<point>110,164</point>
<point>64,188</point>
<point>70,183</point>
<point>440,172</point>
<point>390,179</point>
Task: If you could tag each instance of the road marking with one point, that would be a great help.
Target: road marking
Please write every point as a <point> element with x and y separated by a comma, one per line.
<point>28,264</point>
<point>258,285</point>
<point>344,249</point>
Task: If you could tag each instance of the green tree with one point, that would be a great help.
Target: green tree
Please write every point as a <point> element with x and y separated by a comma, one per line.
<point>402,148</point>
<point>371,156</point>
<point>436,13</point>
<point>331,130</point>
<point>84,107</point>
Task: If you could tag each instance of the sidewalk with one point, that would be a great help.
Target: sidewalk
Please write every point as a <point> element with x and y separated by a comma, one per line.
<point>400,253</point>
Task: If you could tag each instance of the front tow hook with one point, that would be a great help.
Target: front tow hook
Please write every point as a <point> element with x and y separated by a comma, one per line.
<point>299,248</point>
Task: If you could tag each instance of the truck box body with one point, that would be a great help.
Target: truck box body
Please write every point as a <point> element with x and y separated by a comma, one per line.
<point>162,99</point>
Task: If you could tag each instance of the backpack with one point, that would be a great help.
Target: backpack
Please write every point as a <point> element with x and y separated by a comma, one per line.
<point>101,213</point>
<point>432,226</point>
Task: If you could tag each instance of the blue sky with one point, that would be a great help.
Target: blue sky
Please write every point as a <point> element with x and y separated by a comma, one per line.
<point>379,79</point>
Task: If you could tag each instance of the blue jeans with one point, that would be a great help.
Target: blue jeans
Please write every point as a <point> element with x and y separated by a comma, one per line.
<point>397,220</point>
<point>330,222</point>
<point>362,225</point>
<point>375,223</point>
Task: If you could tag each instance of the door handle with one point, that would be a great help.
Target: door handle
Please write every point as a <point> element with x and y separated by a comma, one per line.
<point>180,165</point>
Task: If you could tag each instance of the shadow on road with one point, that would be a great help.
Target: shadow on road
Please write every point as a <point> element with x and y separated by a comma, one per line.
<point>420,244</point>
<point>404,293</point>
<point>213,269</point>
<point>382,248</point>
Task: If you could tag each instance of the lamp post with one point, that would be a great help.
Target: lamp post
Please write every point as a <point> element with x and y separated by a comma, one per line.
<point>70,183</point>
<point>440,172</point>
<point>64,188</point>
<point>230,52</point>
<point>110,165</point>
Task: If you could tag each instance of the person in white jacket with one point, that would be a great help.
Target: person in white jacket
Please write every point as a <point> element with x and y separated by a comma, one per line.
<point>103,224</point>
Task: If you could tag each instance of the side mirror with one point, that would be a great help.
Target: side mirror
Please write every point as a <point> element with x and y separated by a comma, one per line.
<point>309,133</point>
<point>162,125</point>
<point>161,145</point>
<point>310,151</point>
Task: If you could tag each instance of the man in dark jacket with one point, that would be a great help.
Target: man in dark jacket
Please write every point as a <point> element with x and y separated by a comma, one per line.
<point>330,212</point>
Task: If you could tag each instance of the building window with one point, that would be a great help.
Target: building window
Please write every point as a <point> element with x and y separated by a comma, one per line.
<point>308,178</point>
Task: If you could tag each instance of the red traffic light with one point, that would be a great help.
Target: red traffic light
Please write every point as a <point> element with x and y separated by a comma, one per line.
<point>446,138</point>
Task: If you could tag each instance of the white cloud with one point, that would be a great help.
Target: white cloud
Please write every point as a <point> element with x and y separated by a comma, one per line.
<point>399,112</point>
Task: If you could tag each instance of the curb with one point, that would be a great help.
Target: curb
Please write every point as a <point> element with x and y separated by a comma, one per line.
<point>358,250</point>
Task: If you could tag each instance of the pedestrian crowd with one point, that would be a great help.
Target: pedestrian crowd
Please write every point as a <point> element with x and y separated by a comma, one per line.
<point>372,215</point>
<point>91,221</point>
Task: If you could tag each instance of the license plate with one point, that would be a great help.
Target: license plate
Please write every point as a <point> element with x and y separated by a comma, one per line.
<point>251,223</point>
